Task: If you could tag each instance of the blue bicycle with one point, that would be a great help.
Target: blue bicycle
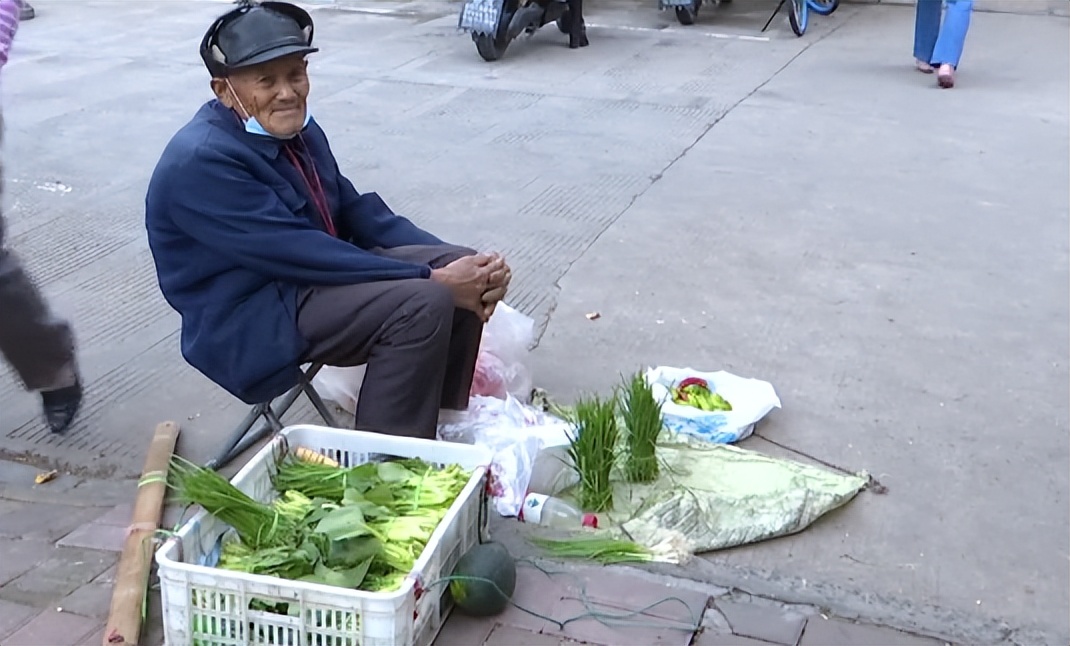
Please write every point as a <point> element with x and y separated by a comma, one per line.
<point>799,12</point>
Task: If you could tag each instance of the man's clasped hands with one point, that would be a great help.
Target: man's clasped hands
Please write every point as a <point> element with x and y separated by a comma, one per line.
<point>478,282</point>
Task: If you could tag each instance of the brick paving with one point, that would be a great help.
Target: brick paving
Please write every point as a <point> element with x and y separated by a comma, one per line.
<point>58,562</point>
<point>635,610</point>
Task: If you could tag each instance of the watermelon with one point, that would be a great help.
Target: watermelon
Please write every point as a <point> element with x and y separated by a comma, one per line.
<point>485,580</point>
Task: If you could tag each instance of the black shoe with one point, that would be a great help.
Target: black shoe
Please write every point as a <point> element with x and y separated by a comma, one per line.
<point>61,406</point>
<point>26,11</point>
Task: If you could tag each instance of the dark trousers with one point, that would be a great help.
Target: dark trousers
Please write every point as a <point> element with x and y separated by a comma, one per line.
<point>420,350</point>
<point>39,346</point>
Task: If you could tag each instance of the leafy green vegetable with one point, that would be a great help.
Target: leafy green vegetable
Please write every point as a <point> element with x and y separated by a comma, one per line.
<point>343,523</point>
<point>361,527</point>
<point>347,578</point>
<point>349,552</point>
<point>391,472</point>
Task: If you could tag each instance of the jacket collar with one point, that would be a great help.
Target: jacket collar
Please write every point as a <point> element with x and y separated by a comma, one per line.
<point>231,122</point>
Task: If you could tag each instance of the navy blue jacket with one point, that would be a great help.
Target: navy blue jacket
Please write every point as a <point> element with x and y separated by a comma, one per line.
<point>235,234</point>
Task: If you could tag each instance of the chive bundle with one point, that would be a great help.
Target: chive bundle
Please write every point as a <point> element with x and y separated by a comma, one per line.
<point>602,549</point>
<point>642,420</point>
<point>605,548</point>
<point>592,448</point>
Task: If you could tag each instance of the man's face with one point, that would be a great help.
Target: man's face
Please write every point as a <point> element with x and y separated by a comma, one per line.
<point>274,92</point>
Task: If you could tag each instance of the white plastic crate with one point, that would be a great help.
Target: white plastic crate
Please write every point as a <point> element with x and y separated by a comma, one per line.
<point>206,606</point>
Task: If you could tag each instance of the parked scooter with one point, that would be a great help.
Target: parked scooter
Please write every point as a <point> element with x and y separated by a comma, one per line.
<point>495,23</point>
<point>686,10</point>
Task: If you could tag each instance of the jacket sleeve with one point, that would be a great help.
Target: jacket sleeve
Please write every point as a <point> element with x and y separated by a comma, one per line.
<point>217,200</point>
<point>10,13</point>
<point>370,222</point>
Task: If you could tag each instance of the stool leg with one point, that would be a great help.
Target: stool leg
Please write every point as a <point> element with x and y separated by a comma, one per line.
<point>243,437</point>
<point>272,426</point>
<point>225,456</point>
<point>775,12</point>
<point>317,401</point>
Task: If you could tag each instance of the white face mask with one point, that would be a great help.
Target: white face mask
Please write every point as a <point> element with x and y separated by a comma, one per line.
<point>252,126</point>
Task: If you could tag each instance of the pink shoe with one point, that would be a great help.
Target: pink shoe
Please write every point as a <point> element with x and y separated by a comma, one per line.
<point>923,67</point>
<point>946,76</point>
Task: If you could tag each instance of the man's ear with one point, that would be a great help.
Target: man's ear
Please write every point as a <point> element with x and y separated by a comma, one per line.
<point>222,92</point>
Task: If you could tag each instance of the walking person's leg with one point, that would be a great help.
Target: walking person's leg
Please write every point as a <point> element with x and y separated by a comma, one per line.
<point>948,50</point>
<point>926,31</point>
<point>39,346</point>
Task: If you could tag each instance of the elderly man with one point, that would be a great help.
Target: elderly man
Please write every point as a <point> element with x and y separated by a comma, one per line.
<point>273,259</point>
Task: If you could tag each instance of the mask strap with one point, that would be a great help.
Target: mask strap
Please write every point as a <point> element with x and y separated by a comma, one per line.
<point>240,104</point>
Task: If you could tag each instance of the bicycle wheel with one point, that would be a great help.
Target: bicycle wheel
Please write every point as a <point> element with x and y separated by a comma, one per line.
<point>823,7</point>
<point>799,15</point>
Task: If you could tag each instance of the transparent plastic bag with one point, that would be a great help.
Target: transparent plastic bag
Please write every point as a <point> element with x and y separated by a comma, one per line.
<point>340,385</point>
<point>516,433</point>
<point>502,365</point>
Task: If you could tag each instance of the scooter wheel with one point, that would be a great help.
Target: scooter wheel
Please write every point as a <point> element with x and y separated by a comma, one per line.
<point>564,23</point>
<point>686,15</point>
<point>488,47</point>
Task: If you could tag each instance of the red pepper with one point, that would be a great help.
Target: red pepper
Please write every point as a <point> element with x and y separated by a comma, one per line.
<point>693,381</point>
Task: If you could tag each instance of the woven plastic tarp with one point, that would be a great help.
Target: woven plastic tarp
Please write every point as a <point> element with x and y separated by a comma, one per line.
<point>719,496</point>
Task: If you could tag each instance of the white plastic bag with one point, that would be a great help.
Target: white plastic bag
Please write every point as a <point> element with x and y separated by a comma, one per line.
<point>751,400</point>
<point>340,385</point>
<point>516,433</point>
<point>502,365</point>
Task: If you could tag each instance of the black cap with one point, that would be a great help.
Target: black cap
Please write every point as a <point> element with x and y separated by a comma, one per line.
<point>254,33</point>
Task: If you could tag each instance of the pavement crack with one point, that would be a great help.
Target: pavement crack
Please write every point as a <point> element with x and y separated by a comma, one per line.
<point>745,98</point>
<point>659,175</point>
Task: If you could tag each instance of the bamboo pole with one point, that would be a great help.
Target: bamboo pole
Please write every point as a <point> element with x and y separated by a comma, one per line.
<point>135,563</point>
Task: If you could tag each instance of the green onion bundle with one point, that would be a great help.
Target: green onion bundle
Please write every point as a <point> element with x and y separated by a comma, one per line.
<point>605,550</point>
<point>643,421</point>
<point>592,448</point>
<point>258,525</point>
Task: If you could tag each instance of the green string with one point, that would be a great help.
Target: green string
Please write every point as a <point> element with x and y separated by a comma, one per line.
<point>152,477</point>
<point>622,619</point>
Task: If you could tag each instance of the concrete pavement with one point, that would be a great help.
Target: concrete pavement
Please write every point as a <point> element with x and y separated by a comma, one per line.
<point>894,260</point>
<point>805,210</point>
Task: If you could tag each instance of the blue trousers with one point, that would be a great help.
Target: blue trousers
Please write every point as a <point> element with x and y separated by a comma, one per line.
<point>937,43</point>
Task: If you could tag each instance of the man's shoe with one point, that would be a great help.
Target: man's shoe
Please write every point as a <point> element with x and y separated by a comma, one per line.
<point>61,406</point>
<point>26,11</point>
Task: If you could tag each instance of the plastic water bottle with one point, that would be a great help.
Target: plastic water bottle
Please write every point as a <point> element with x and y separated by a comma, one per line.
<point>548,511</point>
